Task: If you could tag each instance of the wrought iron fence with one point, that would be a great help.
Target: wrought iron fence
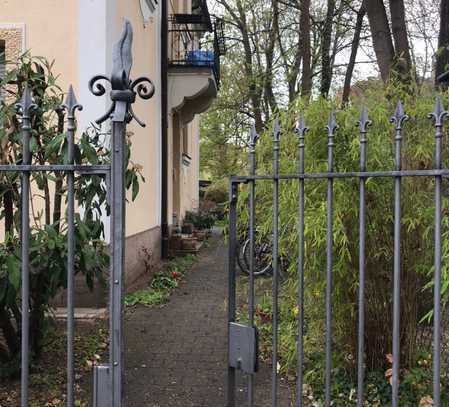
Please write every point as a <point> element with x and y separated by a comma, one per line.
<point>107,378</point>
<point>243,343</point>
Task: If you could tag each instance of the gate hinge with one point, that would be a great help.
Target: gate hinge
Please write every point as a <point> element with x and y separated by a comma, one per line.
<point>243,347</point>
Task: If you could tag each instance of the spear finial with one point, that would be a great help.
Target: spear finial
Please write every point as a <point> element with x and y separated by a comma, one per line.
<point>276,129</point>
<point>399,116</point>
<point>439,114</point>
<point>26,105</point>
<point>71,103</point>
<point>364,121</point>
<point>253,136</point>
<point>300,127</point>
<point>331,124</point>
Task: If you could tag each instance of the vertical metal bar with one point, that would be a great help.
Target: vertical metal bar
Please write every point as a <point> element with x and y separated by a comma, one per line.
<point>25,107</point>
<point>252,156</point>
<point>233,197</point>
<point>300,129</point>
<point>331,126</point>
<point>71,105</point>
<point>274,373</point>
<point>118,199</point>
<point>438,115</point>
<point>398,118</point>
<point>364,122</point>
<point>123,95</point>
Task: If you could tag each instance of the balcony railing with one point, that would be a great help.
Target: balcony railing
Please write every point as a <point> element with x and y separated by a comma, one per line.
<point>196,41</point>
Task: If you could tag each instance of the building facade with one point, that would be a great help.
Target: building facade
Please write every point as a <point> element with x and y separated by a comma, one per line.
<point>175,45</point>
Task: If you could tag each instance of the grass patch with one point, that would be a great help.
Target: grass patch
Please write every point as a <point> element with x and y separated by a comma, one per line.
<point>222,223</point>
<point>147,297</point>
<point>162,284</point>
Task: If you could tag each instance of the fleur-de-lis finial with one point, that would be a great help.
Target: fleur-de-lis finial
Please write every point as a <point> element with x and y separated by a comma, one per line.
<point>124,90</point>
<point>71,103</point>
<point>253,136</point>
<point>399,116</point>
<point>26,106</point>
<point>300,127</point>
<point>122,59</point>
<point>439,114</point>
<point>276,130</point>
<point>364,121</point>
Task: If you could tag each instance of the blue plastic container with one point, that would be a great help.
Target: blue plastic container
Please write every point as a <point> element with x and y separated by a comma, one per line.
<point>200,58</point>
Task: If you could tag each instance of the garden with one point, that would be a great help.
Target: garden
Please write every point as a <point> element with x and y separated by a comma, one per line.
<point>417,252</point>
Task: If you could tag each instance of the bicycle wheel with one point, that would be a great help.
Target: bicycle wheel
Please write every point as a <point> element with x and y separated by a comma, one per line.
<point>240,257</point>
<point>262,258</point>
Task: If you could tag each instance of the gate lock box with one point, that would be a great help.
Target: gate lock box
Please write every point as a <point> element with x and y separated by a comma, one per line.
<point>243,347</point>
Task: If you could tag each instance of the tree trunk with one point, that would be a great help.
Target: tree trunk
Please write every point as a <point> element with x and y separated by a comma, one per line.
<point>254,93</point>
<point>304,40</point>
<point>326,68</point>
<point>381,35</point>
<point>9,333</point>
<point>442,57</point>
<point>400,36</point>
<point>355,46</point>
<point>269,57</point>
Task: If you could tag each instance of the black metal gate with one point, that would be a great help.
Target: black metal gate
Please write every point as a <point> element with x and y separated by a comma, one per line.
<point>243,346</point>
<point>107,378</point>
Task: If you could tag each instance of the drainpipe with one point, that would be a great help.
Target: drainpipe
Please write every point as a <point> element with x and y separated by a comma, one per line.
<point>164,128</point>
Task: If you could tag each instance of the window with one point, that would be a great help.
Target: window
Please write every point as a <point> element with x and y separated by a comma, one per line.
<point>185,140</point>
<point>186,159</point>
<point>147,8</point>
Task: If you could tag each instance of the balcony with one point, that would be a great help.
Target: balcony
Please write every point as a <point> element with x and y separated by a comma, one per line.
<point>196,44</point>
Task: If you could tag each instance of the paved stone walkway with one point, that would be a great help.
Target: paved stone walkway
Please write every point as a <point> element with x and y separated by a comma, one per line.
<point>176,355</point>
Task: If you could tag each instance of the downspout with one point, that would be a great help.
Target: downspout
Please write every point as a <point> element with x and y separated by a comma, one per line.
<point>164,128</point>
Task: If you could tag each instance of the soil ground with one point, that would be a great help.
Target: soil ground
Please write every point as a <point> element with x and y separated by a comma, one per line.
<point>48,377</point>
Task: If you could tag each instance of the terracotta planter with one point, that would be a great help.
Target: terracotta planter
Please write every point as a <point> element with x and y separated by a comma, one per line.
<point>189,243</point>
<point>200,234</point>
<point>176,243</point>
<point>187,228</point>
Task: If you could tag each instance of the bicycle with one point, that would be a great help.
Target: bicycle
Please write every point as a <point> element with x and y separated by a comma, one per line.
<point>262,257</point>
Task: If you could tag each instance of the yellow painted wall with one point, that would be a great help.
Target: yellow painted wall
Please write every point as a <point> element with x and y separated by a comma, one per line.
<point>144,213</point>
<point>51,29</point>
<point>190,174</point>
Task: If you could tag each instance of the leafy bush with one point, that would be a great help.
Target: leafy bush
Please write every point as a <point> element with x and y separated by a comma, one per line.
<point>417,239</point>
<point>148,298</point>
<point>200,219</point>
<point>217,192</point>
<point>48,242</point>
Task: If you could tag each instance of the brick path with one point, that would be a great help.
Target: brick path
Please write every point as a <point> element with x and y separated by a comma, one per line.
<point>176,355</point>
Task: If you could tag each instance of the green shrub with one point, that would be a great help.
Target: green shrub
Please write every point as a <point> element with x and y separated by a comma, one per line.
<point>200,219</point>
<point>148,298</point>
<point>417,238</point>
<point>217,192</point>
<point>48,240</point>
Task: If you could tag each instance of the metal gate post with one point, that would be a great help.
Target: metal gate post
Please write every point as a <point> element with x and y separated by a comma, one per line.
<point>233,198</point>
<point>108,379</point>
